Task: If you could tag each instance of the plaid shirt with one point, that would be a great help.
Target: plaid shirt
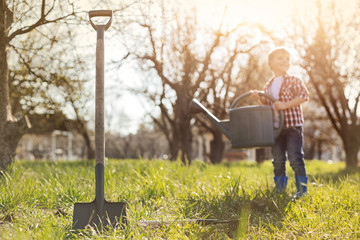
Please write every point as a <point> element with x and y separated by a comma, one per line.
<point>292,87</point>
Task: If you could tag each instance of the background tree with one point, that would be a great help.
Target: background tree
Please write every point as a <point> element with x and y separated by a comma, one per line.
<point>331,61</point>
<point>57,88</point>
<point>18,18</point>
<point>147,143</point>
<point>184,60</point>
<point>320,137</point>
<point>174,74</point>
<point>240,69</point>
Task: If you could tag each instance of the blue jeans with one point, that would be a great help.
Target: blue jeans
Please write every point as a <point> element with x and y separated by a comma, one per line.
<point>289,143</point>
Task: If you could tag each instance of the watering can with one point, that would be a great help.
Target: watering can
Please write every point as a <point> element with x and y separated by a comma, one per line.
<point>249,126</point>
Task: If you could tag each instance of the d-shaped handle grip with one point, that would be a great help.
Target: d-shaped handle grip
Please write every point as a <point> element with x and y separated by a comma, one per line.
<point>100,13</point>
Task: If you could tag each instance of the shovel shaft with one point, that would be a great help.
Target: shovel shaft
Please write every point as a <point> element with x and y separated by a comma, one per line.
<point>99,98</point>
<point>99,188</point>
<point>99,121</point>
<point>99,110</point>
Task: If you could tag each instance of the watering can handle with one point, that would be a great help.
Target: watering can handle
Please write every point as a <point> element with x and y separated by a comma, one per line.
<point>261,93</point>
<point>100,13</point>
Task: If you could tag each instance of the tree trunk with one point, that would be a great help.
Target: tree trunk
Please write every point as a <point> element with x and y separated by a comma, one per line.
<point>351,157</point>
<point>260,155</point>
<point>173,144</point>
<point>351,147</point>
<point>310,152</point>
<point>174,151</point>
<point>186,148</point>
<point>90,154</point>
<point>9,139</point>
<point>11,129</point>
<point>217,147</point>
<point>182,120</point>
<point>185,141</point>
<point>319,149</point>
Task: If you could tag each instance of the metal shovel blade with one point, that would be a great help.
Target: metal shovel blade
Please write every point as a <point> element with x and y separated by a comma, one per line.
<point>87,215</point>
<point>99,213</point>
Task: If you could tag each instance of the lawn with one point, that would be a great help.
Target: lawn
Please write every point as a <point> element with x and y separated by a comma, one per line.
<point>37,200</point>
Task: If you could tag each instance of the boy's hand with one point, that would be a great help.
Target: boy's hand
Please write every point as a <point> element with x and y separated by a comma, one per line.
<point>254,94</point>
<point>280,105</point>
<point>293,103</point>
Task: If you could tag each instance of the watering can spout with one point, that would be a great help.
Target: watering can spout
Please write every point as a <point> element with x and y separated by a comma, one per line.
<point>223,125</point>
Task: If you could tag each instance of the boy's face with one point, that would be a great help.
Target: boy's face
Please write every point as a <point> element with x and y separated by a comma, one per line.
<point>280,63</point>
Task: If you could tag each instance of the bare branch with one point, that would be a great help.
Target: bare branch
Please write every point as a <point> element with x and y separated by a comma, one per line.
<point>41,21</point>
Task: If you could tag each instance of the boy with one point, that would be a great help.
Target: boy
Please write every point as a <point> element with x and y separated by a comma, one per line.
<point>290,92</point>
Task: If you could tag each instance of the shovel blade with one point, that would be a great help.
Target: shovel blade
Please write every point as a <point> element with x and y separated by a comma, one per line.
<point>87,215</point>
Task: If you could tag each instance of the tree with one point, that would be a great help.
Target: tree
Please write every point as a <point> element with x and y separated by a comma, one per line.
<point>169,55</point>
<point>331,61</point>
<point>16,20</point>
<point>240,70</point>
<point>52,91</point>
<point>327,41</point>
<point>319,135</point>
<point>184,60</point>
<point>147,143</point>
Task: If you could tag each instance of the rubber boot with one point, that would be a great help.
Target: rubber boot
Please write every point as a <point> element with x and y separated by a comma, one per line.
<point>301,186</point>
<point>281,183</point>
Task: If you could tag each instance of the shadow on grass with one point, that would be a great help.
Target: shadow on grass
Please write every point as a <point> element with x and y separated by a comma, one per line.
<point>242,210</point>
<point>336,177</point>
<point>58,163</point>
<point>242,164</point>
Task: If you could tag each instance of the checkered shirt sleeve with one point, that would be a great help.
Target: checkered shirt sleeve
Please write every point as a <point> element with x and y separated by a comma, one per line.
<point>291,88</point>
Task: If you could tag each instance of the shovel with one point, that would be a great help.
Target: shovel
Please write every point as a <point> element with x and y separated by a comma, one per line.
<point>99,213</point>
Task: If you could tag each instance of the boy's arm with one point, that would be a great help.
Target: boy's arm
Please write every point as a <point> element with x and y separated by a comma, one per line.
<point>302,96</point>
<point>293,103</point>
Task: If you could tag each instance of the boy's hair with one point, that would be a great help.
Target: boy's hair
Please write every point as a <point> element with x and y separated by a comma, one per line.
<point>276,51</point>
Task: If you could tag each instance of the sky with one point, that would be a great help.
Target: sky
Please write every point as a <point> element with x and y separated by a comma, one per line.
<point>126,113</point>
<point>273,14</point>
<point>267,12</point>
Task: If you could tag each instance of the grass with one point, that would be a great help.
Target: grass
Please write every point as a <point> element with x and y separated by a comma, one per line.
<point>37,199</point>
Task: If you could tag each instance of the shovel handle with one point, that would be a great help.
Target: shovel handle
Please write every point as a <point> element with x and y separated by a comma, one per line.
<point>100,13</point>
<point>99,89</point>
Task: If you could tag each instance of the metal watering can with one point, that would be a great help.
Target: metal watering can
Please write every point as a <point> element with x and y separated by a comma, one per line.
<point>249,126</point>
